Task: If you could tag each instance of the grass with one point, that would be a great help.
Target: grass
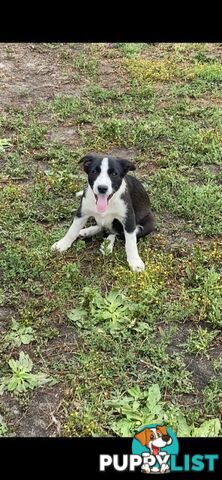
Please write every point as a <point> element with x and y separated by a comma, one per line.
<point>199,204</point>
<point>199,341</point>
<point>91,333</point>
<point>21,377</point>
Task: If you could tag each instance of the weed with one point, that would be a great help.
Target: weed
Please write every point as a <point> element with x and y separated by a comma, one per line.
<point>141,408</point>
<point>19,335</point>
<point>112,311</point>
<point>206,294</point>
<point>86,65</point>
<point>210,73</point>
<point>21,378</point>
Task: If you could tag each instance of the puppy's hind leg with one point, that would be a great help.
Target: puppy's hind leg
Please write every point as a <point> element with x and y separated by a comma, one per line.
<point>90,231</point>
<point>146,226</point>
<point>79,194</point>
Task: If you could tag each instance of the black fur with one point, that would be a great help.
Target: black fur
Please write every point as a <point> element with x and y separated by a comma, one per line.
<point>139,212</point>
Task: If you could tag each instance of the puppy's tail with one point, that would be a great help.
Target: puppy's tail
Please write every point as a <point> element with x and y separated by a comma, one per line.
<point>79,194</point>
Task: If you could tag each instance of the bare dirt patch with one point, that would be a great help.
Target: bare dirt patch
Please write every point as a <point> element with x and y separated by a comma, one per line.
<point>64,135</point>
<point>6,315</point>
<point>111,75</point>
<point>39,418</point>
<point>128,153</point>
<point>29,73</point>
<point>201,366</point>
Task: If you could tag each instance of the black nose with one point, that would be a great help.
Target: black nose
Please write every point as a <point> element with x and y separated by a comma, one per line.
<point>102,188</point>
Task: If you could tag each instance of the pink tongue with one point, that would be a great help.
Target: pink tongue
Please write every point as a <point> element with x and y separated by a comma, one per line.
<point>101,203</point>
<point>155,450</point>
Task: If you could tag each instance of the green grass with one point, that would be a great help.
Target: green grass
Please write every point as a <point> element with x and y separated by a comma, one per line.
<point>199,341</point>
<point>83,318</point>
<point>199,205</point>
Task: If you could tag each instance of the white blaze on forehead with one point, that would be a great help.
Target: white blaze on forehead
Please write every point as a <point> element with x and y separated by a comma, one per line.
<point>103,178</point>
<point>104,166</point>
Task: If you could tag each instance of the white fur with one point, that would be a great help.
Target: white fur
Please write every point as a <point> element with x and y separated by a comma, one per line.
<point>79,194</point>
<point>145,468</point>
<point>103,178</point>
<point>133,258</point>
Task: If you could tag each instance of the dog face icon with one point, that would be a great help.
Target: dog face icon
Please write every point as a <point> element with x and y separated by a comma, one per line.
<point>154,439</point>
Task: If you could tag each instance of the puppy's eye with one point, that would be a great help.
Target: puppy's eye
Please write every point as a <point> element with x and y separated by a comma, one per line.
<point>159,434</point>
<point>113,173</point>
<point>94,171</point>
<point>151,436</point>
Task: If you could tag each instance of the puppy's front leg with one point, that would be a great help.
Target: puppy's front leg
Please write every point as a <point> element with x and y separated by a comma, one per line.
<point>130,232</point>
<point>133,258</point>
<point>73,232</point>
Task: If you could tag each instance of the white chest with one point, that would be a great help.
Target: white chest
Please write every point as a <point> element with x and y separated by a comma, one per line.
<point>116,209</point>
<point>104,220</point>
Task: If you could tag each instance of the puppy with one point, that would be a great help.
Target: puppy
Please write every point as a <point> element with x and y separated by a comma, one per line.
<point>154,439</point>
<point>118,202</point>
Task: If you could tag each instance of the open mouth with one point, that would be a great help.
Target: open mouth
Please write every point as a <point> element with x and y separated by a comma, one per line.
<point>155,450</point>
<point>102,202</point>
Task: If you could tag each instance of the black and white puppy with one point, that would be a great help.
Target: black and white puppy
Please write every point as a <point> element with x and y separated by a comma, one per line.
<point>118,202</point>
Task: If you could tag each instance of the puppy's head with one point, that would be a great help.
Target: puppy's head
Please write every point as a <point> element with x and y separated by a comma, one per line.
<point>105,176</point>
<point>154,438</point>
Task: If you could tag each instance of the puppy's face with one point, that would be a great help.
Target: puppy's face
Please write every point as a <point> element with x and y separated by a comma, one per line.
<point>105,176</point>
<point>154,438</point>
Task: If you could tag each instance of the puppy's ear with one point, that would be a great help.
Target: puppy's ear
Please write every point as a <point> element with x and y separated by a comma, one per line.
<point>142,437</point>
<point>86,161</point>
<point>126,165</point>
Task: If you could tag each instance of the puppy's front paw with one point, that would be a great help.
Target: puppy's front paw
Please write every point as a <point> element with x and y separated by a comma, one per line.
<point>137,265</point>
<point>145,468</point>
<point>107,247</point>
<point>164,468</point>
<point>61,246</point>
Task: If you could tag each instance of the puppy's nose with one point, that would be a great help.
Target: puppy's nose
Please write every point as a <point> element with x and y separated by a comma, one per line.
<point>102,188</point>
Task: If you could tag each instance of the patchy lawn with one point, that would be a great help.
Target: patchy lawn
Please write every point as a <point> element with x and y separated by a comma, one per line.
<point>97,338</point>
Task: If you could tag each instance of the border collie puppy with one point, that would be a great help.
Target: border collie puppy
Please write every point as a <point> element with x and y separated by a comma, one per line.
<point>118,202</point>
